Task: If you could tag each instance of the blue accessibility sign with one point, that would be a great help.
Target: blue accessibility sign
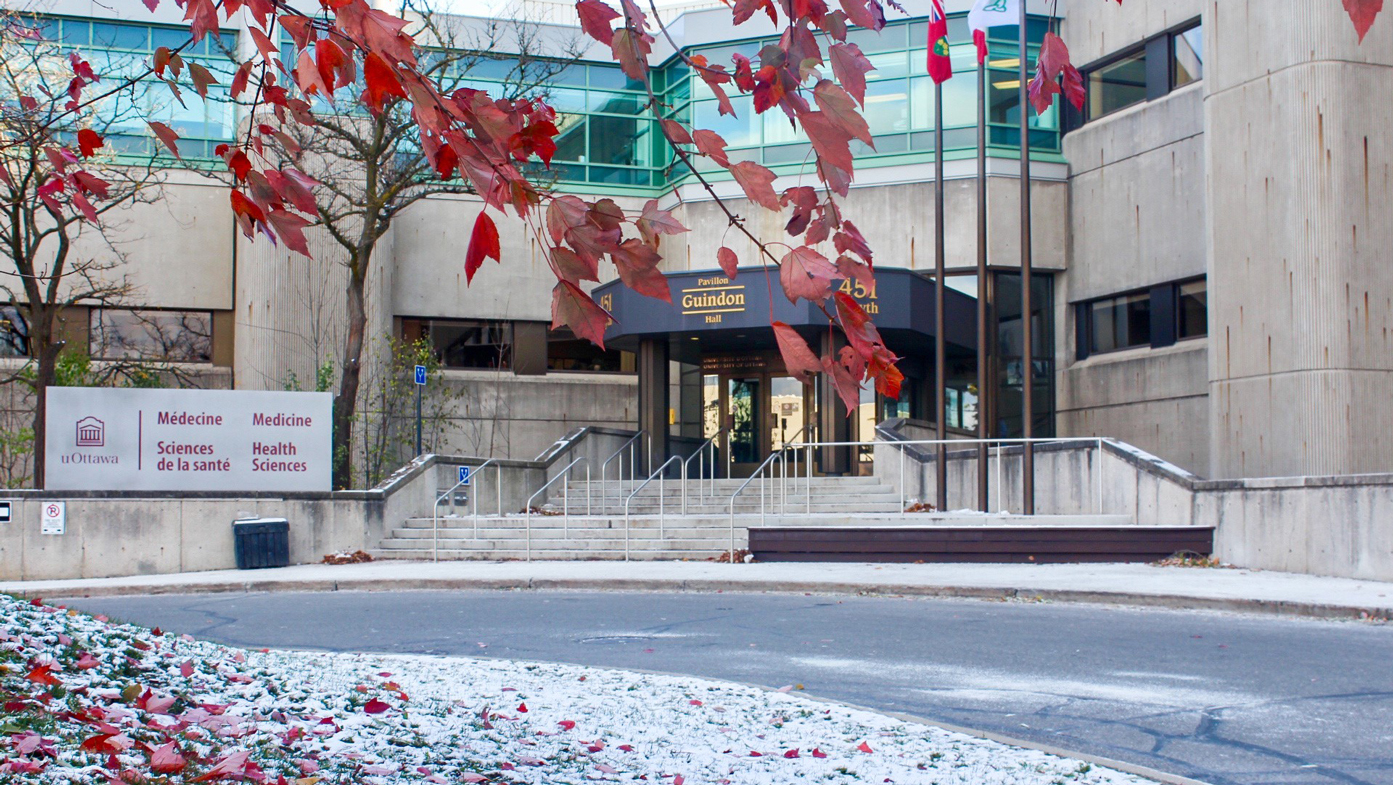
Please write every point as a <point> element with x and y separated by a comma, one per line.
<point>420,374</point>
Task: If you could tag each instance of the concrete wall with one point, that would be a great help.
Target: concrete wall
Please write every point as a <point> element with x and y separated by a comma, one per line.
<point>1299,157</point>
<point>1336,526</point>
<point>1137,214</point>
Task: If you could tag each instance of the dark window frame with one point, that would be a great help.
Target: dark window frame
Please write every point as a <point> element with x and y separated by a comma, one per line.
<point>1159,50</point>
<point>1179,313</point>
<point>1165,318</point>
<point>422,330</point>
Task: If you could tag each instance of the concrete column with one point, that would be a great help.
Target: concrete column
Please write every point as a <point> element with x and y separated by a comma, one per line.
<point>833,424</point>
<point>1300,285</point>
<point>653,396</point>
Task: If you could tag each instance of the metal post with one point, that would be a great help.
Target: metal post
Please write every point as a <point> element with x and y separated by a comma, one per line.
<point>1027,310</point>
<point>1100,476</point>
<point>809,485</point>
<point>418,419</point>
<point>983,412</point>
<point>902,510</point>
<point>940,343</point>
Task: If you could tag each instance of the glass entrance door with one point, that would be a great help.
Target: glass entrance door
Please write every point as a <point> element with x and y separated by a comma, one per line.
<point>744,416</point>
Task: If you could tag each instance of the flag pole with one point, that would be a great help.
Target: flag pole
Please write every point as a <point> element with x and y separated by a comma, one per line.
<point>1027,313</point>
<point>983,408</point>
<point>940,344</point>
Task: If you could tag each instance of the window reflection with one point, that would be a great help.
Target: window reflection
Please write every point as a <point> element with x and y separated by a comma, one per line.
<point>166,336</point>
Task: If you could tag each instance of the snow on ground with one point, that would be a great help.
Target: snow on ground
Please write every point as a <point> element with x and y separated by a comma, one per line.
<point>90,701</point>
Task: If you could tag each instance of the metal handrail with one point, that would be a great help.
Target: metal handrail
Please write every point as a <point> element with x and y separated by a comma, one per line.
<point>1000,445</point>
<point>743,486</point>
<point>604,468</point>
<point>701,467</point>
<point>474,504</point>
<point>659,475</point>
<point>566,504</point>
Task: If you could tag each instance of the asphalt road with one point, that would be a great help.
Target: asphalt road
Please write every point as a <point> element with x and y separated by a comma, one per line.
<point>1224,698</point>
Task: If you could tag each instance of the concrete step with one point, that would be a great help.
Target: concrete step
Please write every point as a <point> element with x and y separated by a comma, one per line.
<point>558,543</point>
<point>539,555</point>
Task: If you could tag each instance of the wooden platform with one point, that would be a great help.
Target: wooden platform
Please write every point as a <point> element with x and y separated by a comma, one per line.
<point>1039,544</point>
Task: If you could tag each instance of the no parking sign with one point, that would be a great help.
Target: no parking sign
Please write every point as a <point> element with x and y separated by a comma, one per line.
<point>55,517</point>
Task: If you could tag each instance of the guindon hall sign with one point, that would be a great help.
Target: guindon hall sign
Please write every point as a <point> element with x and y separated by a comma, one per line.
<point>187,440</point>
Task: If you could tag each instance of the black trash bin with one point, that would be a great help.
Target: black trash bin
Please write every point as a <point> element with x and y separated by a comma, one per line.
<point>261,542</point>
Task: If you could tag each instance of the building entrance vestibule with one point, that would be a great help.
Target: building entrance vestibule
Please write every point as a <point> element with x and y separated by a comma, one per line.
<point>761,412</point>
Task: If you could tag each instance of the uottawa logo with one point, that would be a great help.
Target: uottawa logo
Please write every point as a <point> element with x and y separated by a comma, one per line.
<point>91,432</point>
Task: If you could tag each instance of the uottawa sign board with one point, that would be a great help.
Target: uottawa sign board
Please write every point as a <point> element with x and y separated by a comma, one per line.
<point>104,439</point>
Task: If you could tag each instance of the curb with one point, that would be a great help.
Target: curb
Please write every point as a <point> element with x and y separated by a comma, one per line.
<point>1171,601</point>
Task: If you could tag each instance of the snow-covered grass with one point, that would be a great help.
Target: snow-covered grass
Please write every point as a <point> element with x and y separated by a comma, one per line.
<point>85,700</point>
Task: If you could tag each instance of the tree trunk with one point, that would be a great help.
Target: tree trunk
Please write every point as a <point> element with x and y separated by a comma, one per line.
<point>41,321</point>
<point>346,404</point>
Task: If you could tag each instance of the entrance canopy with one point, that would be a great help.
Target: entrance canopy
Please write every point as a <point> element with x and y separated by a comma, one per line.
<point>734,314</point>
<point>716,336</point>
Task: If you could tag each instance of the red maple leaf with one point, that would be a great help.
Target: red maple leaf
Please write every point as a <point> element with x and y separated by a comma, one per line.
<point>483,243</point>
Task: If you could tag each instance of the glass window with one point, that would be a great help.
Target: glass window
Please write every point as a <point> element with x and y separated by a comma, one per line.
<point>167,336</point>
<point>1192,310</point>
<point>120,36</point>
<point>739,131</point>
<point>566,352</point>
<point>889,65</point>
<point>1119,323</point>
<point>171,37</point>
<point>887,106</point>
<point>619,140</point>
<point>609,77</point>
<point>1117,85</point>
<point>615,103</point>
<point>1187,56</point>
<point>466,343</point>
<point>75,32</point>
<point>959,102</point>
<point>570,137</point>
<point>14,332</point>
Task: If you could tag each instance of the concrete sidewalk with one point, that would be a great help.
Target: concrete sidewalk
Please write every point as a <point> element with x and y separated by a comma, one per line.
<point>1128,584</point>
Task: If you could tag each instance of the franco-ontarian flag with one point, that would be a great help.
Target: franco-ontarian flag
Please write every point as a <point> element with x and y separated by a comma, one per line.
<point>940,61</point>
<point>991,13</point>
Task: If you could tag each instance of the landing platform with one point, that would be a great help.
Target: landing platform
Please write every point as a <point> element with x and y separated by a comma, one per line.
<point>1036,543</point>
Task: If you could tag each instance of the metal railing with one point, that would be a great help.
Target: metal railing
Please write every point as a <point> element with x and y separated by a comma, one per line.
<point>658,474</point>
<point>780,492</point>
<point>473,502</point>
<point>701,477</point>
<point>632,446</point>
<point>565,500</point>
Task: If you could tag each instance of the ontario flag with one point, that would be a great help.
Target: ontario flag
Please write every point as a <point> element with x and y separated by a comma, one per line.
<point>991,13</point>
<point>940,63</point>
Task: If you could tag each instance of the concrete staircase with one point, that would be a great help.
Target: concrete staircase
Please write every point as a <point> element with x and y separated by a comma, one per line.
<point>657,527</point>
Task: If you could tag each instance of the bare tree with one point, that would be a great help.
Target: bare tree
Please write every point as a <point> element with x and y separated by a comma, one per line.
<point>370,167</point>
<point>52,236</point>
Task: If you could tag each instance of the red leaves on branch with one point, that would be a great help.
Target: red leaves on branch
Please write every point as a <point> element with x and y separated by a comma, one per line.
<point>1363,13</point>
<point>840,108</point>
<point>654,222</point>
<point>851,67</point>
<point>800,360</point>
<point>595,19</point>
<point>574,308</point>
<point>757,182</point>
<point>166,136</point>
<point>380,82</point>
<point>202,16</point>
<point>729,262</point>
<point>711,145</point>
<point>807,275</point>
<point>89,141</point>
<point>483,242</point>
<point>1053,63</point>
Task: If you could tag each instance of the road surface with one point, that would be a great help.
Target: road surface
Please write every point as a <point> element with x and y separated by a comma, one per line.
<point>1224,698</point>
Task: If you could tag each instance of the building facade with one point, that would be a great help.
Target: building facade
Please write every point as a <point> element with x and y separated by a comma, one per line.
<point>1211,245</point>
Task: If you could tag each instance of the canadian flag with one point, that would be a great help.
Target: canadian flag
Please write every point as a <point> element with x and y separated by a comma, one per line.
<point>991,13</point>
